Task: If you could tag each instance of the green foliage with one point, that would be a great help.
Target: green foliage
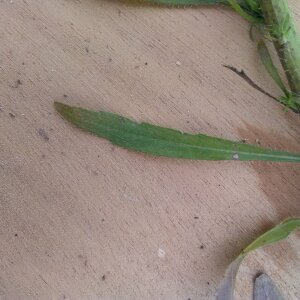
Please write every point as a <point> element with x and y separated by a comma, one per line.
<point>288,99</point>
<point>280,25</point>
<point>280,31</point>
<point>276,234</point>
<point>270,67</point>
<point>189,2</point>
<point>252,4</point>
<point>291,101</point>
<point>161,141</point>
<point>248,15</point>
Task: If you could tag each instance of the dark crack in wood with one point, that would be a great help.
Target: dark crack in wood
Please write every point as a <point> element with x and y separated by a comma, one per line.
<point>244,76</point>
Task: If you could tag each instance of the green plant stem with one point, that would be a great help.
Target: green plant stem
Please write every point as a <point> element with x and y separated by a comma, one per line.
<point>281,27</point>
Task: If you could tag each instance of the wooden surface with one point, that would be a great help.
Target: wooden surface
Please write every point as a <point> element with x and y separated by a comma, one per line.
<point>81,219</point>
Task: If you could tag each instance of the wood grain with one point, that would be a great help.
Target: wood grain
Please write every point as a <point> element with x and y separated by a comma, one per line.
<point>81,219</point>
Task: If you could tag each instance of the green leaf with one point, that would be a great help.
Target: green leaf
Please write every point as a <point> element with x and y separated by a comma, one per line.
<point>291,101</point>
<point>253,4</point>
<point>242,12</point>
<point>280,24</point>
<point>270,67</point>
<point>278,233</point>
<point>188,2</point>
<point>161,141</point>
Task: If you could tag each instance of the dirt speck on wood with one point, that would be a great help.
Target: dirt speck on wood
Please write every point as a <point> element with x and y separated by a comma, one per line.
<point>43,134</point>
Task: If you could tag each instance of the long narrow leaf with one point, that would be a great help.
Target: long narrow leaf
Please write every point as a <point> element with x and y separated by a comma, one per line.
<point>250,3</point>
<point>161,141</point>
<point>188,2</point>
<point>278,233</point>
<point>267,61</point>
<point>274,235</point>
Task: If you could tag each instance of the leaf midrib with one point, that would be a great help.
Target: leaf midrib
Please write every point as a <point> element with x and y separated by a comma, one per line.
<point>187,145</point>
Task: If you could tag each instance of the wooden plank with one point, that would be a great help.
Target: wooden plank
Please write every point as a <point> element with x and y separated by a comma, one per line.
<point>81,219</point>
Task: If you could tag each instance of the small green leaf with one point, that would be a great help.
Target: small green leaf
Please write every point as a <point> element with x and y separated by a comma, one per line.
<point>291,101</point>
<point>161,141</point>
<point>278,233</point>
<point>280,24</point>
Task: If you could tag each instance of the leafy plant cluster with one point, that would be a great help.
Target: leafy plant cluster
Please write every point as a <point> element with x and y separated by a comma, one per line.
<point>274,21</point>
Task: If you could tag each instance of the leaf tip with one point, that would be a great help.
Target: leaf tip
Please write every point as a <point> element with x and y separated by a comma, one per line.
<point>60,107</point>
<point>67,112</point>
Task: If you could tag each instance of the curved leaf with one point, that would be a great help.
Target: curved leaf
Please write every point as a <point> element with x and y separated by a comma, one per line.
<point>279,232</point>
<point>161,141</point>
<point>275,234</point>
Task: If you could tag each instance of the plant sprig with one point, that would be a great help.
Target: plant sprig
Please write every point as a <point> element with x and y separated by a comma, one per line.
<point>274,20</point>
